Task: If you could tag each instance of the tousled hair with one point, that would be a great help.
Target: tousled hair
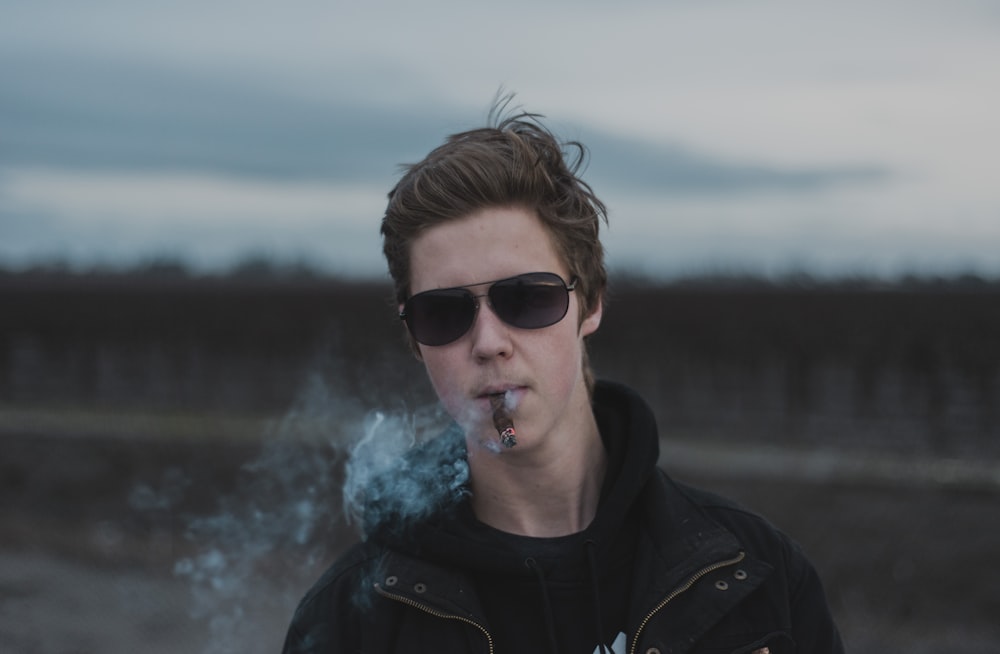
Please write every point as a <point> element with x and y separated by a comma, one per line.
<point>513,162</point>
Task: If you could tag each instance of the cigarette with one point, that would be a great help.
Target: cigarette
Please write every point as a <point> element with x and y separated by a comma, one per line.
<point>502,422</point>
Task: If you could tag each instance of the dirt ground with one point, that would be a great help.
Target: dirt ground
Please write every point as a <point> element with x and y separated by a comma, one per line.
<point>112,545</point>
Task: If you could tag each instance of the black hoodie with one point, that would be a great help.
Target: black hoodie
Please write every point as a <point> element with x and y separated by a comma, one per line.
<point>659,566</point>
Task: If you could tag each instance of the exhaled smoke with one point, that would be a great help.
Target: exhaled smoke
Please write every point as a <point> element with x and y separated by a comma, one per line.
<point>173,483</point>
<point>326,468</point>
<point>255,554</point>
<point>388,479</point>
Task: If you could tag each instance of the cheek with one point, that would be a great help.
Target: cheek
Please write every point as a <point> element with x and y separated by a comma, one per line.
<point>444,379</point>
<point>563,357</point>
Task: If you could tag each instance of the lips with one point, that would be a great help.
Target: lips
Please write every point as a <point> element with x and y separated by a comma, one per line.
<point>499,390</point>
<point>513,392</point>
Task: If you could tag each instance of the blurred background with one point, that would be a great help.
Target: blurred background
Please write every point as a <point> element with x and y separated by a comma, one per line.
<point>196,326</point>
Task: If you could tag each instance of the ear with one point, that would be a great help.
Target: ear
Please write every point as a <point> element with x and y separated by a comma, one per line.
<point>592,321</point>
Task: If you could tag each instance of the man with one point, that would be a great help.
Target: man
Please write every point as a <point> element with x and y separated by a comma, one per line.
<point>561,534</point>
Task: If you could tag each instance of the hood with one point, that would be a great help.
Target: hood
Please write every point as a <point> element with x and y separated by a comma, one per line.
<point>453,536</point>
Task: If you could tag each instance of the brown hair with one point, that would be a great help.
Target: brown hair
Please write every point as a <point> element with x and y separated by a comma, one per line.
<point>514,162</point>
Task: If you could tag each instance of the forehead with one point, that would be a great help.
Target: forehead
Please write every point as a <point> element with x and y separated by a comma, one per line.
<point>486,245</point>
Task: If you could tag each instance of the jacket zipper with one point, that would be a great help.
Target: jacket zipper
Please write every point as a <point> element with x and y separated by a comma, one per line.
<point>435,612</point>
<point>679,590</point>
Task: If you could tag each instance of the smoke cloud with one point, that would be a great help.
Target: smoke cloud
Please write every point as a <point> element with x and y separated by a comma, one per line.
<point>327,470</point>
<point>389,480</point>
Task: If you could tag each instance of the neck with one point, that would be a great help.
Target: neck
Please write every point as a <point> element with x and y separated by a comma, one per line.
<point>544,490</point>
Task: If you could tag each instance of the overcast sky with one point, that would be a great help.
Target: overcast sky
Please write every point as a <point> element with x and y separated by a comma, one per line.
<point>771,135</point>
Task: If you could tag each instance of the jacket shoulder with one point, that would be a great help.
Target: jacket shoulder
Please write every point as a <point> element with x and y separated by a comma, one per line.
<point>322,617</point>
<point>755,533</point>
<point>346,566</point>
<point>795,584</point>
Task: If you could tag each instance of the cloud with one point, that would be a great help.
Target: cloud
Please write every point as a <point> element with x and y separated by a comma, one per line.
<point>112,115</point>
<point>94,113</point>
<point>674,169</point>
<point>862,229</point>
<point>771,130</point>
<point>207,220</point>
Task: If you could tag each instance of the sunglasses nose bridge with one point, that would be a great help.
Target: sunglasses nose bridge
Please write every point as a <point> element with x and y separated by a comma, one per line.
<point>476,301</point>
<point>488,330</point>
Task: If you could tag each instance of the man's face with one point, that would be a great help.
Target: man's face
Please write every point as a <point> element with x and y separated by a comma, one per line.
<point>541,369</point>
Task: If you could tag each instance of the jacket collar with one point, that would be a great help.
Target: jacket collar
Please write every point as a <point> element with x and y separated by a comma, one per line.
<point>677,539</point>
<point>677,543</point>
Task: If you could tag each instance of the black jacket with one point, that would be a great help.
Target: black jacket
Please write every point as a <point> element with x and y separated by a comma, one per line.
<point>672,568</point>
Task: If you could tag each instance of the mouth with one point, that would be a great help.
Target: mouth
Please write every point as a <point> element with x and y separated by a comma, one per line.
<point>511,395</point>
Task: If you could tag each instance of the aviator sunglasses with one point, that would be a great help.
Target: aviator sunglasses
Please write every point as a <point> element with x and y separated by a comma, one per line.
<point>529,301</point>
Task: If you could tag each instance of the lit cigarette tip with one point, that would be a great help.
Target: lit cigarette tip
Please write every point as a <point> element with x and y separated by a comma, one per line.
<point>502,422</point>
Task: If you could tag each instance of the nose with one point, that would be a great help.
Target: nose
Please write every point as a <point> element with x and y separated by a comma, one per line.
<point>490,335</point>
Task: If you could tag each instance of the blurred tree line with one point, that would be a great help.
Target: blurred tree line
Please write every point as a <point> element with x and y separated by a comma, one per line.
<point>912,362</point>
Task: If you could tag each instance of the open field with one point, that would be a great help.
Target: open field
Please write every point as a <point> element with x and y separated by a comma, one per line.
<point>116,545</point>
<point>171,450</point>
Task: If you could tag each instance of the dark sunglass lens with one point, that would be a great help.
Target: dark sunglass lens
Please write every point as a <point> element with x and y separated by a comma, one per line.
<point>440,317</point>
<point>530,301</point>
